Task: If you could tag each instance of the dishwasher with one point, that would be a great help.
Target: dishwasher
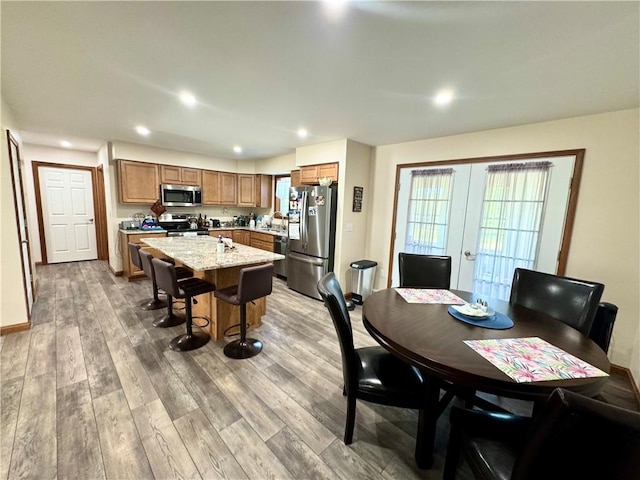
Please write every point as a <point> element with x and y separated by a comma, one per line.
<point>280,245</point>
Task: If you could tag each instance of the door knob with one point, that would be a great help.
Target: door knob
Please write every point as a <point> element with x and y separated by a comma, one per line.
<point>90,220</point>
<point>469,255</point>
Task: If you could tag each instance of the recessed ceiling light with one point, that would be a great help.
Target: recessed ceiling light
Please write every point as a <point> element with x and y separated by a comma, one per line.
<point>142,130</point>
<point>443,97</point>
<point>237,149</point>
<point>65,143</point>
<point>188,99</point>
<point>302,133</point>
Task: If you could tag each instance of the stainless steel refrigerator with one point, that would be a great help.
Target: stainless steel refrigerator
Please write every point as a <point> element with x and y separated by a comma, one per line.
<point>312,237</point>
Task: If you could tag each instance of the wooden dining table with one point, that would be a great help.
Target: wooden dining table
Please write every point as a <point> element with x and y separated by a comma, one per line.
<point>427,336</point>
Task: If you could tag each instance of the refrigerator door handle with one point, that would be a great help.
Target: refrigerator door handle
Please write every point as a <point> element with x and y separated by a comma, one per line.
<point>303,221</point>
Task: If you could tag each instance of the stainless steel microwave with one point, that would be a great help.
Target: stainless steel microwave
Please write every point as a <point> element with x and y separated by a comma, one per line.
<point>180,195</point>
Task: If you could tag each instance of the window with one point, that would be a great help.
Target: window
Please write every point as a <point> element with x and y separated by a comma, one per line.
<point>510,223</point>
<point>429,209</point>
<point>281,192</point>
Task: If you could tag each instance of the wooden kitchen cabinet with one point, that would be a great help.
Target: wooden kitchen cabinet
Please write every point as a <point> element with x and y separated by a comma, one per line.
<point>263,241</point>
<point>224,233</point>
<point>129,270</point>
<point>138,182</point>
<point>295,178</point>
<point>180,175</point>
<point>264,190</point>
<point>246,190</point>
<point>310,174</point>
<point>242,237</point>
<point>218,188</point>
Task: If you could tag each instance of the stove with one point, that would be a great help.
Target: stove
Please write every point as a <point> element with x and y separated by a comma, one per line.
<point>181,226</point>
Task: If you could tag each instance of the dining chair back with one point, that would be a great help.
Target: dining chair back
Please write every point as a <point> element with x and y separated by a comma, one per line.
<point>569,300</point>
<point>572,436</point>
<point>424,271</point>
<point>602,327</point>
<point>369,373</point>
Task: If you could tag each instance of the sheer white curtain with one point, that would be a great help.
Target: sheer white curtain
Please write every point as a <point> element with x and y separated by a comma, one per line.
<point>512,212</point>
<point>429,208</point>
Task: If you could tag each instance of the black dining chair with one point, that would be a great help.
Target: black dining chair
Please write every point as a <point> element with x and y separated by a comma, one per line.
<point>424,271</point>
<point>254,282</point>
<point>171,319</point>
<point>187,289</point>
<point>602,327</point>
<point>371,374</point>
<point>572,436</point>
<point>569,300</point>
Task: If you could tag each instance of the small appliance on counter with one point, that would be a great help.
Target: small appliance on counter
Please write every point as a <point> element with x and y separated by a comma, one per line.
<point>215,223</point>
<point>129,225</point>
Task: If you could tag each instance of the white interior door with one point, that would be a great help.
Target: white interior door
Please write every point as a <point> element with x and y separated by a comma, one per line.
<point>68,216</point>
<point>464,222</point>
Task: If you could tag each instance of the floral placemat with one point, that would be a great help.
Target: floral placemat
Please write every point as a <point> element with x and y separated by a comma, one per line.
<point>429,295</point>
<point>532,359</point>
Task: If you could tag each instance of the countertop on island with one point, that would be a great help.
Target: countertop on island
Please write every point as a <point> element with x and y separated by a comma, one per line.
<point>199,253</point>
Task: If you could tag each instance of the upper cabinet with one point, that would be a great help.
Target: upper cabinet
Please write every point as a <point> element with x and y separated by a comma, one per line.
<point>138,182</point>
<point>246,190</point>
<point>180,175</point>
<point>264,190</point>
<point>310,174</point>
<point>218,188</point>
<point>295,178</point>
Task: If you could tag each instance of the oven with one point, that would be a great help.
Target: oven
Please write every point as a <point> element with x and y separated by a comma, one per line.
<point>182,226</point>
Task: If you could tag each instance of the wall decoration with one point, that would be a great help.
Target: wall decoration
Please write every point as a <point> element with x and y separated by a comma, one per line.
<point>357,198</point>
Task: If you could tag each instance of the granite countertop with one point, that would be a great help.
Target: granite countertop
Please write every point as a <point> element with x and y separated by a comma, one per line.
<point>270,231</point>
<point>140,230</point>
<point>199,253</point>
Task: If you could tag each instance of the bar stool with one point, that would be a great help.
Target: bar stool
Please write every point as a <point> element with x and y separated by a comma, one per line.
<point>255,282</point>
<point>153,303</point>
<point>187,289</point>
<point>170,319</point>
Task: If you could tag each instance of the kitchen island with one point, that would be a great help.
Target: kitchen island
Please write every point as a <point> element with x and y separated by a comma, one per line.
<point>222,269</point>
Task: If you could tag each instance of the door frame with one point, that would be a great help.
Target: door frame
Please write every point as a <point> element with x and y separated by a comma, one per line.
<point>572,203</point>
<point>14,146</point>
<point>99,206</point>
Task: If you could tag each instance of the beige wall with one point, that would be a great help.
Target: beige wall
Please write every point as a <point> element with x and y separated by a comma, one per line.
<point>606,240</point>
<point>328,152</point>
<point>13,308</point>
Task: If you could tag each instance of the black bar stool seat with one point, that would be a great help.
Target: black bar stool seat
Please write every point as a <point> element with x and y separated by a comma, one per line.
<point>171,319</point>
<point>188,288</point>
<point>255,282</point>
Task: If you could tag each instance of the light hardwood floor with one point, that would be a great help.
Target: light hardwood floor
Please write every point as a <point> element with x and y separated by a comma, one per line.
<point>92,391</point>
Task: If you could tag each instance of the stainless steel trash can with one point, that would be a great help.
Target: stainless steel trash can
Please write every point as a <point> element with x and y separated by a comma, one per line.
<point>362,274</point>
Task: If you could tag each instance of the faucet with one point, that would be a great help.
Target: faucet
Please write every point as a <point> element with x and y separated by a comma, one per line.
<point>283,219</point>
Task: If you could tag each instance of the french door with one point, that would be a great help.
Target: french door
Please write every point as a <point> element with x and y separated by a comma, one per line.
<point>490,217</point>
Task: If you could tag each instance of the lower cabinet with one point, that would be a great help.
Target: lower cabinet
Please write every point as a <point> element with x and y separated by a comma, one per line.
<point>129,270</point>
<point>263,241</point>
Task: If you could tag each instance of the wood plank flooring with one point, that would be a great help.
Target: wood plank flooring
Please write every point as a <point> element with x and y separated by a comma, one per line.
<point>92,391</point>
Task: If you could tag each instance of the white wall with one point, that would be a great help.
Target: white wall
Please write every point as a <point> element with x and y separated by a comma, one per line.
<point>606,238</point>
<point>61,156</point>
<point>13,308</point>
<point>328,152</point>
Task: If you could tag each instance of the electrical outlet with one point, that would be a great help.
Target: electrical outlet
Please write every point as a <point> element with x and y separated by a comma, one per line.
<point>383,273</point>
<point>348,227</point>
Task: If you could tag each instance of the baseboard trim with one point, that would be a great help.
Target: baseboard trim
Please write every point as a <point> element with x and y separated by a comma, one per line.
<point>634,385</point>
<point>117,273</point>
<point>18,327</point>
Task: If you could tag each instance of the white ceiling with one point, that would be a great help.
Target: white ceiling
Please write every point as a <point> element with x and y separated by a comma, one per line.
<point>90,72</point>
